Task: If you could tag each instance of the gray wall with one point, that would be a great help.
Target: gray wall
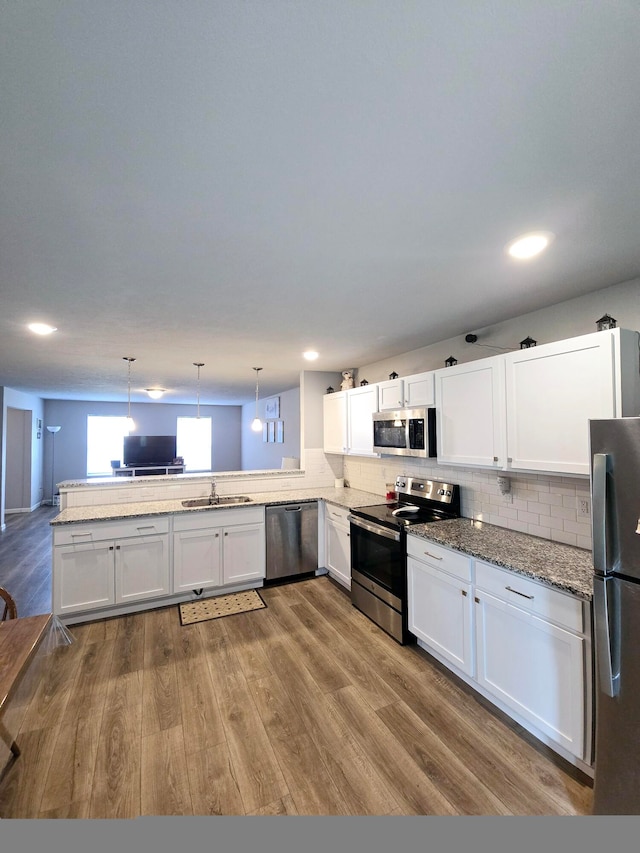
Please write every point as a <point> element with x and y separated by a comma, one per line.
<point>150,419</point>
<point>258,455</point>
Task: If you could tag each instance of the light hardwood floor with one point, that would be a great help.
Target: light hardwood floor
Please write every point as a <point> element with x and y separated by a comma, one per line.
<point>305,707</point>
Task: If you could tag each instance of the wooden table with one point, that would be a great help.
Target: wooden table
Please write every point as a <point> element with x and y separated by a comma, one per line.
<point>19,641</point>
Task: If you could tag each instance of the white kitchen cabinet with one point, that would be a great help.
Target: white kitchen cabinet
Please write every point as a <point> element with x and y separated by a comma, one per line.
<point>110,563</point>
<point>348,421</point>
<point>470,413</point>
<point>521,644</point>
<point>362,402</point>
<point>529,410</point>
<point>335,422</point>
<point>408,392</point>
<point>440,601</point>
<point>218,547</point>
<point>531,664</point>
<point>338,544</point>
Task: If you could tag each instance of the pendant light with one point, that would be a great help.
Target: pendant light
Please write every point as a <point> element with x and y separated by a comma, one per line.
<point>256,423</point>
<point>198,364</point>
<point>130,423</point>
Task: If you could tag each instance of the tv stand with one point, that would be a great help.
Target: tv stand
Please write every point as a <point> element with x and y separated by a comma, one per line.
<point>148,470</point>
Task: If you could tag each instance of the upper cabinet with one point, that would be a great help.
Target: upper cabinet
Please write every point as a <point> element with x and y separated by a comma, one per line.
<point>348,421</point>
<point>406,393</point>
<point>529,410</point>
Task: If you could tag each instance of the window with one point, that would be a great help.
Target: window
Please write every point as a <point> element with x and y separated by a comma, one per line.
<point>193,443</point>
<point>104,442</point>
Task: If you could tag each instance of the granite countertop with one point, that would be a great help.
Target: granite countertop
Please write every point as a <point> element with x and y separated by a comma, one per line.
<point>562,566</point>
<point>344,497</point>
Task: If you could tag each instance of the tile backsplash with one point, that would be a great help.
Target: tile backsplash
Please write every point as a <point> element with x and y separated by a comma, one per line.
<point>538,504</point>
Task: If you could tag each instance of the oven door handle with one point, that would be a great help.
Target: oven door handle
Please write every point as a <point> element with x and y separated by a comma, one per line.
<point>375,528</point>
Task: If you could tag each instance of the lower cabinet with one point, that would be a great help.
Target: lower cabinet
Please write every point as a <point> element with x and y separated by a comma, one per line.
<point>338,544</point>
<point>110,563</point>
<point>217,548</point>
<point>440,601</point>
<point>522,644</point>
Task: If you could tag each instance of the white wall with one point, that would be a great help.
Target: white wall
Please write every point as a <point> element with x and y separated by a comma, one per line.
<point>540,505</point>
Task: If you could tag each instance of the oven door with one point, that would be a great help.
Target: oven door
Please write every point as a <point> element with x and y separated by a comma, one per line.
<point>377,553</point>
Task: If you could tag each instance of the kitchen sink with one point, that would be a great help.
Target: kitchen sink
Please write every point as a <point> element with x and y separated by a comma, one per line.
<point>217,501</point>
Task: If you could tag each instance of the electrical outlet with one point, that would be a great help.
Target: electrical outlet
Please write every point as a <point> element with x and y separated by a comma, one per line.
<point>583,507</point>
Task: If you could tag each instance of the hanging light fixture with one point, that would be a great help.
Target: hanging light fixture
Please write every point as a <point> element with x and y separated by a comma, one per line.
<point>198,364</point>
<point>256,423</point>
<point>130,422</point>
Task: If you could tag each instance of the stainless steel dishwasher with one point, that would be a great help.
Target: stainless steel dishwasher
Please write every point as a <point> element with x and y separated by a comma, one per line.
<point>292,540</point>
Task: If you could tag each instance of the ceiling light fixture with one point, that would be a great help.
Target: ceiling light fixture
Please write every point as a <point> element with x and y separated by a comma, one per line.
<point>41,328</point>
<point>529,245</point>
<point>198,364</point>
<point>155,393</point>
<point>256,423</point>
<point>130,423</point>
<point>310,355</point>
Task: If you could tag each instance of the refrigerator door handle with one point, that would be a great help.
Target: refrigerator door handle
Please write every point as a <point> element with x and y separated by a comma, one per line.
<point>606,613</point>
<point>599,506</point>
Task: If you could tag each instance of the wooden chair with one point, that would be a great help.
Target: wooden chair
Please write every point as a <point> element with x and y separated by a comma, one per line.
<point>10,610</point>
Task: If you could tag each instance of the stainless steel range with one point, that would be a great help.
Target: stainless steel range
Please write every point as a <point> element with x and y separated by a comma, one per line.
<point>379,552</point>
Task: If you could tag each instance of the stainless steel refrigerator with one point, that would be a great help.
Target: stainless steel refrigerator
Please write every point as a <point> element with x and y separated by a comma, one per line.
<point>615,506</point>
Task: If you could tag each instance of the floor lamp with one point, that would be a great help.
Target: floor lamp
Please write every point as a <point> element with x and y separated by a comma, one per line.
<point>53,430</point>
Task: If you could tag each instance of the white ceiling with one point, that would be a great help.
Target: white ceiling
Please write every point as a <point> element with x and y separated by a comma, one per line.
<point>233,182</point>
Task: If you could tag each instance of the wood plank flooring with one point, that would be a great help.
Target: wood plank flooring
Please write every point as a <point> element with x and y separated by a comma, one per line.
<point>303,708</point>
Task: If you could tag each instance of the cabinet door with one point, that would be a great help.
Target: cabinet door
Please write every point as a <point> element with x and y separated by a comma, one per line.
<point>338,558</point>
<point>83,577</point>
<point>361,404</point>
<point>419,390</point>
<point>390,395</point>
<point>471,414</point>
<point>335,422</point>
<point>197,559</point>
<point>534,668</point>
<point>440,613</point>
<point>551,393</point>
<point>243,550</point>
<point>142,567</point>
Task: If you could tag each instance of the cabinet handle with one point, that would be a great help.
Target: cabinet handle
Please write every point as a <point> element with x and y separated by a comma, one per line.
<point>75,535</point>
<point>477,600</point>
<point>432,555</point>
<point>117,547</point>
<point>226,533</point>
<point>111,547</point>
<point>495,458</point>
<point>464,592</point>
<point>216,536</point>
<point>147,527</point>
<point>509,459</point>
<point>530,597</point>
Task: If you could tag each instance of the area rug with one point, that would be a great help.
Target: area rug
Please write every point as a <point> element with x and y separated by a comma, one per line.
<point>220,605</point>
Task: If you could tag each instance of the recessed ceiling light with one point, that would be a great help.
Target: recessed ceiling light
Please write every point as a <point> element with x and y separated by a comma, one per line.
<point>310,355</point>
<point>529,245</point>
<point>41,328</point>
<point>155,393</point>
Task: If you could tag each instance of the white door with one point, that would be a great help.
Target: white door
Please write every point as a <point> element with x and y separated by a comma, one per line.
<point>534,668</point>
<point>551,393</point>
<point>335,422</point>
<point>197,559</point>
<point>83,577</point>
<point>338,560</point>
<point>419,390</point>
<point>361,404</point>
<point>142,567</point>
<point>243,553</point>
<point>440,613</point>
<point>471,413</point>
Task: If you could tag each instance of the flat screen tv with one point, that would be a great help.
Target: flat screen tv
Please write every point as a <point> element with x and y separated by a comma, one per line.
<point>147,450</point>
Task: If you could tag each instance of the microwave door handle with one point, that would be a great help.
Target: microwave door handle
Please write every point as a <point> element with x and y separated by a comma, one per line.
<point>599,505</point>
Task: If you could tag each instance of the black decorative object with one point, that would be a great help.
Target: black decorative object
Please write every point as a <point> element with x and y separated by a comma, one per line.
<point>527,343</point>
<point>363,382</point>
<point>471,338</point>
<point>393,375</point>
<point>450,361</point>
<point>605,322</point>
<point>329,390</point>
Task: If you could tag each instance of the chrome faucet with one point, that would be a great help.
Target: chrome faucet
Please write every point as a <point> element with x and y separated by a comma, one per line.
<point>213,496</point>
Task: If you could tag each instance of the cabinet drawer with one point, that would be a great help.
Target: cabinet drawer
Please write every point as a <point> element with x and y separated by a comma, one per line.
<point>337,514</point>
<point>452,562</point>
<point>99,531</point>
<point>527,594</point>
<point>210,518</point>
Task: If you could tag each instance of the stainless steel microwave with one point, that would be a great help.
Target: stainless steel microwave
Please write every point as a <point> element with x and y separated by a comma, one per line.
<point>405,432</point>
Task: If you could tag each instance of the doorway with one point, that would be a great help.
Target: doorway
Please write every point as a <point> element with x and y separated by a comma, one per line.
<point>17,493</point>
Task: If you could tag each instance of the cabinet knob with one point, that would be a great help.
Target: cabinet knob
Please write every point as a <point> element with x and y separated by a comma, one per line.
<point>495,458</point>
<point>477,600</point>
<point>464,592</point>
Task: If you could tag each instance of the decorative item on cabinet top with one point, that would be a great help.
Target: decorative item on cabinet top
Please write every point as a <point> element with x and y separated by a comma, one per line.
<point>527,343</point>
<point>449,362</point>
<point>330,390</point>
<point>347,380</point>
<point>605,322</point>
<point>393,375</point>
<point>363,382</point>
